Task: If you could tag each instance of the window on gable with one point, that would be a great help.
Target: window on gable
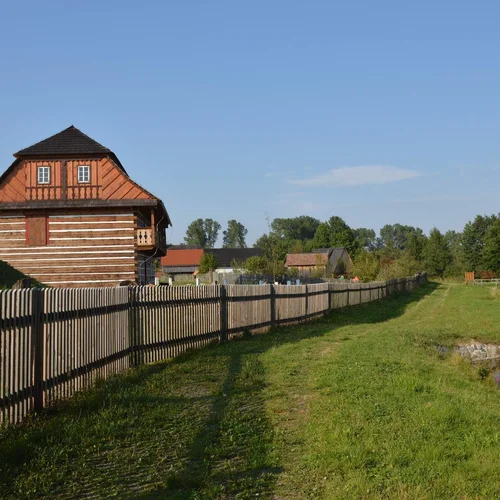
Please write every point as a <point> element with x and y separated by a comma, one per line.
<point>83,173</point>
<point>43,175</point>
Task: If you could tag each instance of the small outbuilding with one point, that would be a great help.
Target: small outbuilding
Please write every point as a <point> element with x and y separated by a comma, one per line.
<point>322,261</point>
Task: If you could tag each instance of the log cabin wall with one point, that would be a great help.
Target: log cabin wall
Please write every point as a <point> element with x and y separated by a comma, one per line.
<point>92,249</point>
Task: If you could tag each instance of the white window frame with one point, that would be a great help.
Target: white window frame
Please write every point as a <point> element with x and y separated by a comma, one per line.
<point>43,174</point>
<point>82,170</point>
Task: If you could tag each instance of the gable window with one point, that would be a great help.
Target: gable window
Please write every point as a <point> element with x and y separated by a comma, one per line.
<point>83,173</point>
<point>43,175</point>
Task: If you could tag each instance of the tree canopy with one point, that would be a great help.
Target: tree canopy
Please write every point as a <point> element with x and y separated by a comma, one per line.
<point>491,248</point>
<point>335,233</point>
<point>436,254</point>
<point>473,240</point>
<point>365,238</point>
<point>396,235</point>
<point>202,233</point>
<point>296,228</point>
<point>234,235</point>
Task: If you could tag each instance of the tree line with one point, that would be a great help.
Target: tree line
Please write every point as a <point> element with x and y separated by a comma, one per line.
<point>399,250</point>
<point>205,232</point>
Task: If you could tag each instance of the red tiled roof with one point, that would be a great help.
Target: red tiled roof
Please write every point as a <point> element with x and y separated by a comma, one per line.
<point>306,259</point>
<point>182,257</point>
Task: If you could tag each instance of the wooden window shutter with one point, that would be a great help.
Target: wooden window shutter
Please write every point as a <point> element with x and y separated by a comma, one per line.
<point>36,231</point>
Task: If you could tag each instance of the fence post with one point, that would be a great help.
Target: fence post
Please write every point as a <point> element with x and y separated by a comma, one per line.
<point>273,307</point>
<point>133,324</point>
<point>223,313</point>
<point>37,323</point>
<point>307,301</point>
<point>329,297</point>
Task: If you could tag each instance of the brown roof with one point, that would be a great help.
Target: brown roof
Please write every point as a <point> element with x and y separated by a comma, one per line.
<point>182,257</point>
<point>306,259</point>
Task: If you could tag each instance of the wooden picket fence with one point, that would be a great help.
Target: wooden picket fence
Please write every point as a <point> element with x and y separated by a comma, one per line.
<point>55,342</point>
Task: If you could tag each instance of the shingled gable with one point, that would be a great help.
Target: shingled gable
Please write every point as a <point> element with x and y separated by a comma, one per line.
<point>69,142</point>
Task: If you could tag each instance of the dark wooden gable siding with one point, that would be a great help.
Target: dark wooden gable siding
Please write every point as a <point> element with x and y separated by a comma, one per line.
<point>107,182</point>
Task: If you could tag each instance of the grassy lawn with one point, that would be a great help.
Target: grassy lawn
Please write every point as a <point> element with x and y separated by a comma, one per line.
<point>360,404</point>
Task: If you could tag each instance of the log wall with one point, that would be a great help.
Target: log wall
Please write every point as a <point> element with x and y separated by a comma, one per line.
<point>96,249</point>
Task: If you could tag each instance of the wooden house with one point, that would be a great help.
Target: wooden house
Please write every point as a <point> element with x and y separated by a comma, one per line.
<point>322,261</point>
<point>71,216</point>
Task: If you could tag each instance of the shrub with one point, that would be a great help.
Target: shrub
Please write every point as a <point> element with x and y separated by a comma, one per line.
<point>366,266</point>
<point>403,267</point>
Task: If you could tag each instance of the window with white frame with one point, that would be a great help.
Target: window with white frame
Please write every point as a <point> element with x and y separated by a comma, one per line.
<point>83,173</point>
<point>43,175</point>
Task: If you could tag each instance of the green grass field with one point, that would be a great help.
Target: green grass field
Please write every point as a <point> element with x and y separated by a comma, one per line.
<point>359,404</point>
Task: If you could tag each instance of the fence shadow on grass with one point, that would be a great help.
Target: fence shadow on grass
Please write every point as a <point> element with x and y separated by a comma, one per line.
<point>194,427</point>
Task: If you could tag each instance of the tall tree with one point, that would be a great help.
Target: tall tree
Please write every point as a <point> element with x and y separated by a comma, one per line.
<point>335,233</point>
<point>436,254</point>
<point>366,238</point>
<point>202,233</point>
<point>296,228</point>
<point>396,235</point>
<point>195,234</point>
<point>234,235</point>
<point>473,240</point>
<point>491,248</point>
<point>275,248</point>
<point>415,245</point>
<point>455,243</point>
<point>342,235</point>
<point>212,229</point>
<point>323,236</point>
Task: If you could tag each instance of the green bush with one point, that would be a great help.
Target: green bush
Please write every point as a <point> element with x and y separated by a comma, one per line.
<point>366,266</point>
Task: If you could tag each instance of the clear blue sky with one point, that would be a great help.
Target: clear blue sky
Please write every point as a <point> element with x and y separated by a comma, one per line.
<point>380,112</point>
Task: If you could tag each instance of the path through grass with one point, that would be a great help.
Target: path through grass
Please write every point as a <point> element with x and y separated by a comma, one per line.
<point>357,405</point>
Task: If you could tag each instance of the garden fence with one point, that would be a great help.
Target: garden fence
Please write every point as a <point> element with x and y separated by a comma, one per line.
<point>55,342</point>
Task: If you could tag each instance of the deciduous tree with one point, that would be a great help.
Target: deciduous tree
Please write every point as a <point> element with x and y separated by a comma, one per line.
<point>365,238</point>
<point>202,233</point>
<point>473,240</point>
<point>491,248</point>
<point>234,235</point>
<point>436,254</point>
<point>296,228</point>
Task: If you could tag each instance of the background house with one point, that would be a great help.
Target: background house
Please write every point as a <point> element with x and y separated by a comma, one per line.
<point>227,256</point>
<point>71,216</point>
<point>323,262</point>
<point>181,261</point>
